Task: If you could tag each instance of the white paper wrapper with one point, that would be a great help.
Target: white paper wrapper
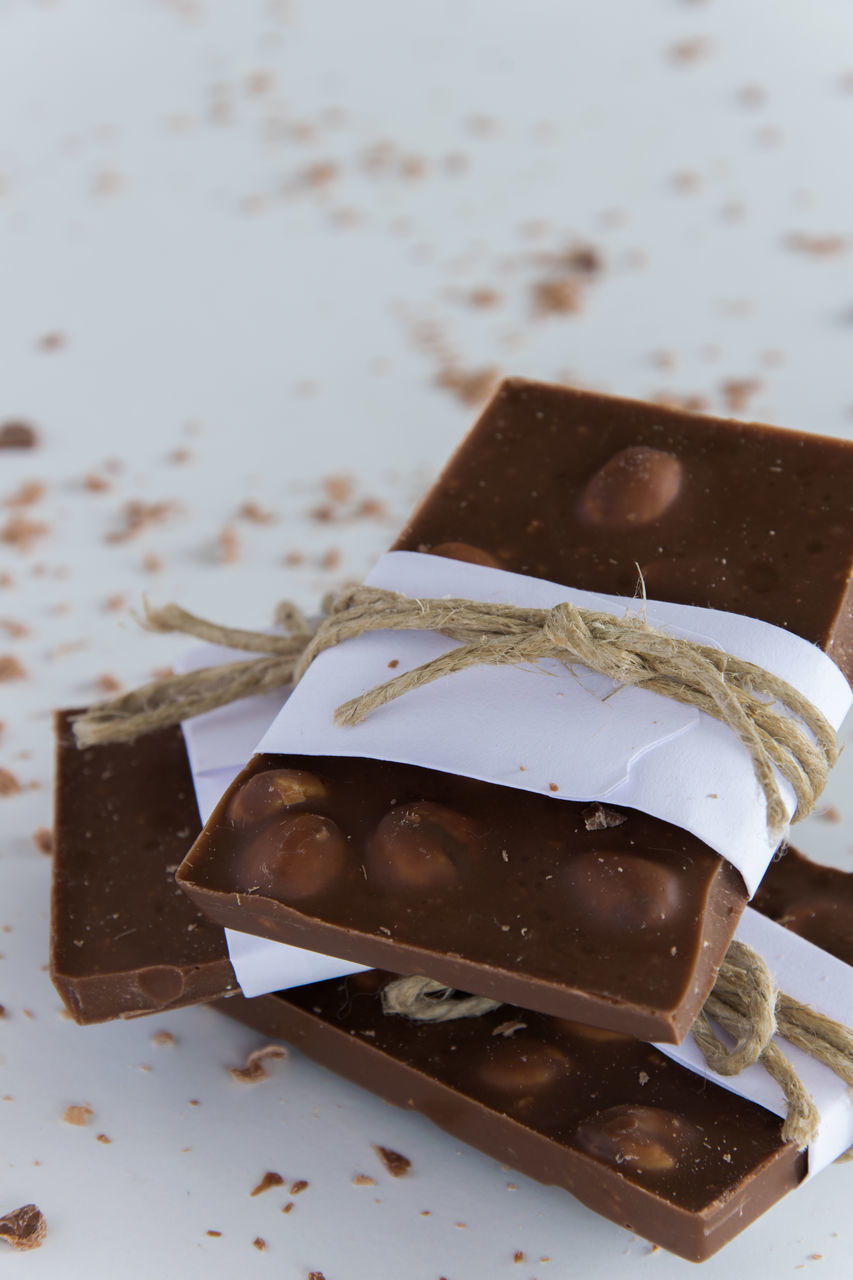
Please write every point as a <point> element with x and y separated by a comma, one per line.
<point>817,979</point>
<point>220,742</point>
<point>218,745</point>
<point>540,728</point>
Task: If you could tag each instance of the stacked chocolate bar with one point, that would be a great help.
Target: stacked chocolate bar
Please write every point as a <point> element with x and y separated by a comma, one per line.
<point>598,921</point>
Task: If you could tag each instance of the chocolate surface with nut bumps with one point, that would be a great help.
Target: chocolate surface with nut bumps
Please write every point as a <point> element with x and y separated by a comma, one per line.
<point>484,887</point>
<point>124,939</point>
<point>634,1136</point>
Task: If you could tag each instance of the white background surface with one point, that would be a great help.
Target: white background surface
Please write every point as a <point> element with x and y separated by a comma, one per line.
<point>154,211</point>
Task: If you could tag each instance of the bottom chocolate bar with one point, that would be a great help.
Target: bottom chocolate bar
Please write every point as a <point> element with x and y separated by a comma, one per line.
<point>639,1139</point>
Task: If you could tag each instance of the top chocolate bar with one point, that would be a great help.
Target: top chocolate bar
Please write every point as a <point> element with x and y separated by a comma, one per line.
<point>611,917</point>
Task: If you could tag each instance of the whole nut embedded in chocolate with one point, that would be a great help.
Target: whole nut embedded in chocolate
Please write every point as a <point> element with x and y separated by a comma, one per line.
<point>300,857</point>
<point>517,1066</point>
<point>268,794</point>
<point>421,848</point>
<point>614,891</point>
<point>642,1139</point>
<point>464,551</point>
<point>634,487</point>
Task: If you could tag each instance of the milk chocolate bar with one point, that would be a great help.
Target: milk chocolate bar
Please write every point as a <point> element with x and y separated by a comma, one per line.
<point>124,939</point>
<point>613,918</point>
<point>632,1135</point>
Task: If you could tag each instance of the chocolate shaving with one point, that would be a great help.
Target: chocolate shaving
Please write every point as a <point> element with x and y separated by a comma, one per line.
<point>24,1228</point>
<point>254,1069</point>
<point>397,1165</point>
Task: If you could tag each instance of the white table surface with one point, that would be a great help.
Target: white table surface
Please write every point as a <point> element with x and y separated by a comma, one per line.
<point>162,211</point>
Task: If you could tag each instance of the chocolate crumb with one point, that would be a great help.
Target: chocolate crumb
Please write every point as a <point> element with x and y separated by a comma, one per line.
<point>828,813</point>
<point>43,840</point>
<point>24,1228</point>
<point>286,1208</point>
<point>102,1137</point>
<point>17,435</point>
<point>316,1275</point>
<point>301,1184</point>
<point>471,386</point>
<point>363,1180</point>
<point>597,817</point>
<point>9,784</point>
<point>254,512</point>
<point>396,1164</point>
<point>228,548</point>
<point>817,246</point>
<point>213,1233</point>
<point>254,1069</point>
<point>108,684</point>
<point>270,1179</point>
<point>23,533</point>
<point>79,1113</point>
<point>738,392</point>
<point>260,1243</point>
<point>518,1256</point>
<point>163,1037</point>
<point>30,491</point>
<point>138,516</point>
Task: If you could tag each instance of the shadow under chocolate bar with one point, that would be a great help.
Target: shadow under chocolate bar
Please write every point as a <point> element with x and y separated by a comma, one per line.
<point>614,918</point>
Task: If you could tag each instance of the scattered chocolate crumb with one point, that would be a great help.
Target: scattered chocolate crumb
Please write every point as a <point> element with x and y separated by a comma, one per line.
<point>102,1137</point>
<point>363,1180</point>
<point>339,488</point>
<point>818,246</point>
<point>107,183</point>
<point>471,386</point>
<point>30,491</point>
<point>14,629</point>
<point>270,1179</point>
<point>286,1208</point>
<point>9,784</point>
<point>485,298</point>
<point>213,1233</point>
<point>254,1069</point>
<point>137,516</point>
<point>95,483</point>
<point>151,562</point>
<point>43,840</point>
<point>107,683</point>
<point>79,1113</point>
<point>686,182</point>
<point>255,512</point>
<point>828,813</point>
<point>316,1275</point>
<point>115,602</point>
<point>228,548</point>
<point>260,1243</point>
<point>24,1228</point>
<point>2,1011</point>
<point>737,393</point>
<point>598,817</point>
<point>690,50</point>
<point>163,1038</point>
<point>52,341</point>
<point>181,455</point>
<point>300,1185</point>
<point>679,400</point>
<point>396,1164</point>
<point>518,1256</point>
<point>560,297</point>
<point>395,662</point>
<point>552,786</point>
<point>371,509</point>
<point>23,533</point>
<point>17,435</point>
<point>331,559</point>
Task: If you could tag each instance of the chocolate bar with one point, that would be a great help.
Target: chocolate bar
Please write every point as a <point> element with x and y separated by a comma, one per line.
<point>124,939</point>
<point>579,910</point>
<point>656,1148</point>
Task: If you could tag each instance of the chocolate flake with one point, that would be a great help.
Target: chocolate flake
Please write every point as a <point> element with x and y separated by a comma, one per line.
<point>254,1069</point>
<point>24,1228</point>
<point>598,817</point>
<point>396,1164</point>
<point>79,1113</point>
<point>270,1179</point>
<point>9,784</point>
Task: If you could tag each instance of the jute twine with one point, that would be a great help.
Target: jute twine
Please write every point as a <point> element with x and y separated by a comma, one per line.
<point>802,744</point>
<point>744,1002</point>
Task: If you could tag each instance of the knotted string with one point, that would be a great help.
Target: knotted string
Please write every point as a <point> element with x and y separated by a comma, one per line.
<point>799,741</point>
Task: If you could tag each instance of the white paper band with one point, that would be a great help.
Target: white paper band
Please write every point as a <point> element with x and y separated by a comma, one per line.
<point>815,978</point>
<point>570,734</point>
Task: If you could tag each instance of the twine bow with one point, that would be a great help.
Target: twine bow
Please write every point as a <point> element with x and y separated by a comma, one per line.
<point>802,744</point>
